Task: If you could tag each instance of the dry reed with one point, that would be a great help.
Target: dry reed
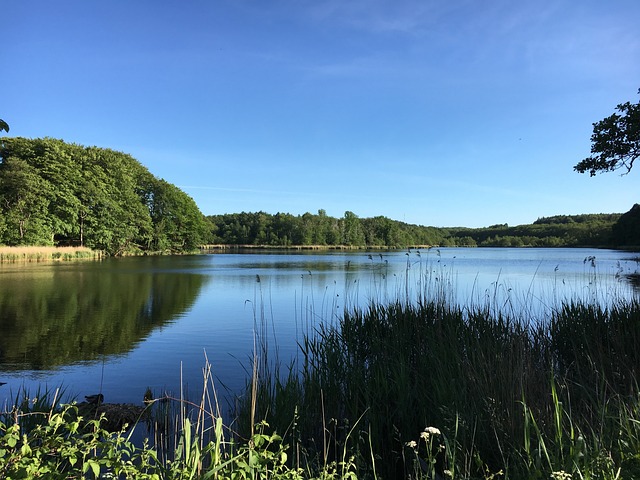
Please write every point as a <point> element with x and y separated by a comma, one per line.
<point>44,254</point>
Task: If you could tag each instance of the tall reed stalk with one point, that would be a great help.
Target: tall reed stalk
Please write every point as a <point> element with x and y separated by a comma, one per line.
<point>512,396</point>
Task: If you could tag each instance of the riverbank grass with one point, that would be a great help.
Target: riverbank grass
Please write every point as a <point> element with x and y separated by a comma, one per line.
<point>42,438</point>
<point>433,390</point>
<point>47,254</point>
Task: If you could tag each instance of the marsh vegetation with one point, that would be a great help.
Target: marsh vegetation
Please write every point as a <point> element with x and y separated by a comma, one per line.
<point>426,389</point>
<point>45,254</point>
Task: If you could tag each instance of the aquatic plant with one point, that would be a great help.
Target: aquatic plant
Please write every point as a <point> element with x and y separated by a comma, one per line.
<point>44,254</point>
<point>514,396</point>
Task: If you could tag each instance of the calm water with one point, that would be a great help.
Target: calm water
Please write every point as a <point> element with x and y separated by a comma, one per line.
<point>122,325</point>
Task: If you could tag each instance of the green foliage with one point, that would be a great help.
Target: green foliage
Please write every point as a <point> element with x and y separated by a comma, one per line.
<point>626,231</point>
<point>513,398</point>
<point>321,230</point>
<point>592,218</point>
<point>615,142</point>
<point>64,445</point>
<point>4,126</point>
<point>559,231</point>
<point>52,192</point>
<point>178,225</point>
<point>61,442</point>
<point>261,228</point>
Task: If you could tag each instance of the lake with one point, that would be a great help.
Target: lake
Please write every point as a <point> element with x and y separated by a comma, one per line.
<point>121,325</point>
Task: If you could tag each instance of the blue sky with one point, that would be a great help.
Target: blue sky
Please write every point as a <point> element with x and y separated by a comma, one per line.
<point>444,113</point>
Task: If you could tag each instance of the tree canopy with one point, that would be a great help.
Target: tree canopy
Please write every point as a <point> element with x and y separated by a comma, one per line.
<point>4,126</point>
<point>626,231</point>
<point>615,142</point>
<point>56,193</point>
<point>282,229</point>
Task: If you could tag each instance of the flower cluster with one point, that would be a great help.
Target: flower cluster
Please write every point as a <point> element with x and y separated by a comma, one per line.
<point>561,475</point>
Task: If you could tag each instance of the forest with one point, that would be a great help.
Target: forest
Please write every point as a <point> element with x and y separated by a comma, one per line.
<point>57,193</point>
<point>54,193</point>
<point>283,229</point>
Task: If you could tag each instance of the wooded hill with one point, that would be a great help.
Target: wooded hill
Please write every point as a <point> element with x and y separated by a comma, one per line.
<point>57,193</point>
<point>282,229</point>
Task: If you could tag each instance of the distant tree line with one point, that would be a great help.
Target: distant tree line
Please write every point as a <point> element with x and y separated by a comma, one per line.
<point>283,229</point>
<point>57,193</point>
<point>592,230</point>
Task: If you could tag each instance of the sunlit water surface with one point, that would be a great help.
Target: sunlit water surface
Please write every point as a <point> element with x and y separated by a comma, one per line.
<point>121,325</point>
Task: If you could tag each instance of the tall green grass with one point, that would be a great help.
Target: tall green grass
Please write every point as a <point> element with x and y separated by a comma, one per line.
<point>511,396</point>
<point>40,437</point>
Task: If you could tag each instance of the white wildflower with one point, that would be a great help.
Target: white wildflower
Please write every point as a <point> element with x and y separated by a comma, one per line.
<point>412,444</point>
<point>561,475</point>
<point>432,431</point>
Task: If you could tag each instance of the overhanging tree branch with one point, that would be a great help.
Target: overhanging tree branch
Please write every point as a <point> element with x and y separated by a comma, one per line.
<point>615,142</point>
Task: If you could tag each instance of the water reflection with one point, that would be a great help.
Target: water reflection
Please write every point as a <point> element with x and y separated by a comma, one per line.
<point>151,320</point>
<point>634,280</point>
<point>65,314</point>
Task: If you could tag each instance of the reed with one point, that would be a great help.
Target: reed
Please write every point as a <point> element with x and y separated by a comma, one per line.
<point>512,396</point>
<point>46,254</point>
<point>40,437</point>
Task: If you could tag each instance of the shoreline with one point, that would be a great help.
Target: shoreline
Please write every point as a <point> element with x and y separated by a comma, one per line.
<point>47,254</point>
<point>214,247</point>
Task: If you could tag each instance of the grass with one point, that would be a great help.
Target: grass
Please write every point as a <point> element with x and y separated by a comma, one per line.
<point>46,254</point>
<point>42,438</point>
<point>511,396</point>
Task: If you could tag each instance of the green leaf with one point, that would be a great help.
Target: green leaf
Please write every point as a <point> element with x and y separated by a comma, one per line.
<point>95,466</point>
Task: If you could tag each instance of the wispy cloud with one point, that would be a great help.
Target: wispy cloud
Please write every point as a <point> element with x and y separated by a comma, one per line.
<point>239,190</point>
<point>384,16</point>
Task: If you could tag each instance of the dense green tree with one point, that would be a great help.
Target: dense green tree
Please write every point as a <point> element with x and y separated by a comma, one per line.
<point>177,222</point>
<point>626,231</point>
<point>560,230</point>
<point>283,230</point>
<point>352,232</point>
<point>4,126</point>
<point>24,204</point>
<point>52,192</point>
<point>615,142</point>
<point>382,231</point>
<point>53,161</point>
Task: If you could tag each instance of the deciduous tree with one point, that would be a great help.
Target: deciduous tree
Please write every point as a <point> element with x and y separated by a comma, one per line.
<point>52,192</point>
<point>615,142</point>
